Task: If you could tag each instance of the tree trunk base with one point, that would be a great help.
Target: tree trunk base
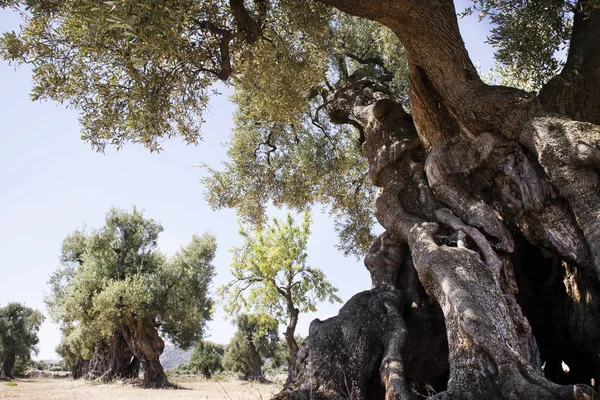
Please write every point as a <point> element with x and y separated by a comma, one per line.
<point>154,375</point>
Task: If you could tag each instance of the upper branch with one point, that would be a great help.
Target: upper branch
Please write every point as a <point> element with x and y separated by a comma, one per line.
<point>576,90</point>
<point>248,29</point>
<point>430,34</point>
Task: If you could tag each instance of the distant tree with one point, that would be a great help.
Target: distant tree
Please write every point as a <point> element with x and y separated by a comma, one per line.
<point>255,339</point>
<point>120,292</point>
<point>271,275</point>
<point>19,326</point>
<point>207,358</point>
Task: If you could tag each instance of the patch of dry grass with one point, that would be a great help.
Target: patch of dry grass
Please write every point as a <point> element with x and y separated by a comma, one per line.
<point>199,389</point>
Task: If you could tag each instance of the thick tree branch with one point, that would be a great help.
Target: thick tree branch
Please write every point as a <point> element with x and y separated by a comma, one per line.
<point>430,34</point>
<point>249,30</point>
<point>576,90</point>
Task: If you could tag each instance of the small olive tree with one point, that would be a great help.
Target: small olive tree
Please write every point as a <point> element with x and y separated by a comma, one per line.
<point>207,358</point>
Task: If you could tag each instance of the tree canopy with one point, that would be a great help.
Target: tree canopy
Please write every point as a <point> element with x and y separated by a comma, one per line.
<point>143,71</point>
<point>114,279</point>
<point>272,276</point>
<point>19,326</point>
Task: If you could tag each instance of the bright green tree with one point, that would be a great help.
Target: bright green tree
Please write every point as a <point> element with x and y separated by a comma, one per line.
<point>272,276</point>
<point>113,285</point>
<point>207,358</point>
<point>19,326</point>
<point>255,340</point>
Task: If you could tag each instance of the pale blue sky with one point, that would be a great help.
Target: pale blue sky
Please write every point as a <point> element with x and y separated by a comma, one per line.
<point>51,183</point>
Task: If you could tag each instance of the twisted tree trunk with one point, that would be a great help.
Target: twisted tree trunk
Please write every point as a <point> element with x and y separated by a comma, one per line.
<point>486,279</point>
<point>80,369</point>
<point>290,330</point>
<point>147,346</point>
<point>113,360</point>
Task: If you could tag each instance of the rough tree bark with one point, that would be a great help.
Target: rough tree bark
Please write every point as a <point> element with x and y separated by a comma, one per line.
<point>146,345</point>
<point>487,276</point>
<point>256,367</point>
<point>113,360</point>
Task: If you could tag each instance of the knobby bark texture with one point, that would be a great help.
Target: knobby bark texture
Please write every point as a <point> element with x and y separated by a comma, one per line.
<point>486,280</point>
<point>144,342</point>
<point>113,360</point>
<point>135,344</point>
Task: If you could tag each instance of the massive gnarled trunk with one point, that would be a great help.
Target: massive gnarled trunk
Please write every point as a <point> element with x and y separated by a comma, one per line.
<point>487,277</point>
<point>146,345</point>
<point>113,360</point>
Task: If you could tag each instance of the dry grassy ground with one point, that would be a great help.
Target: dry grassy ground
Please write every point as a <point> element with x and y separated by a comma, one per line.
<point>198,389</point>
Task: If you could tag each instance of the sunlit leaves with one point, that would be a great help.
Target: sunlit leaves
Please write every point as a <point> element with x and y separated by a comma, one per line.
<point>271,273</point>
<point>528,36</point>
<point>284,150</point>
<point>207,358</point>
<point>134,69</point>
<point>141,71</point>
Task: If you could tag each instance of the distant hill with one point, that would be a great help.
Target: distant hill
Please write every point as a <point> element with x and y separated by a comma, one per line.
<point>172,356</point>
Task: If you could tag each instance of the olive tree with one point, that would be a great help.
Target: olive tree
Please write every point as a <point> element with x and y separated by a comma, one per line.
<point>255,340</point>
<point>207,358</point>
<point>19,326</point>
<point>116,293</point>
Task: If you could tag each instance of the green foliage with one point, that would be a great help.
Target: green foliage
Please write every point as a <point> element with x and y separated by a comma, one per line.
<point>142,71</point>
<point>280,358</point>
<point>528,35</point>
<point>271,273</point>
<point>206,358</point>
<point>116,272</point>
<point>22,365</point>
<point>255,339</point>
<point>296,166</point>
<point>77,344</point>
<point>19,327</point>
<point>132,68</point>
<point>11,384</point>
<point>294,156</point>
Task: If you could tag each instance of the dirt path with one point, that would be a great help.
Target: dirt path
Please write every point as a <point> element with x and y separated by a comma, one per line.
<point>63,389</point>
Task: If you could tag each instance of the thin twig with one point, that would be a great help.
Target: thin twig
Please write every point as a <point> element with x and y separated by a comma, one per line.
<point>223,388</point>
